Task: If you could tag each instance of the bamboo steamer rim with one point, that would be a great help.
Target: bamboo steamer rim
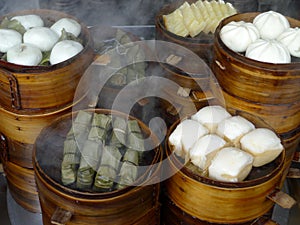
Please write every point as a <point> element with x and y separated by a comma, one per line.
<point>248,17</point>
<point>174,161</point>
<point>152,172</point>
<point>48,15</point>
<point>41,113</point>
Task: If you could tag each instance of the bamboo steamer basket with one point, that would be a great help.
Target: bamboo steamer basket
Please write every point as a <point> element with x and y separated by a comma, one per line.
<point>107,93</point>
<point>202,44</point>
<point>251,80</point>
<point>264,90</point>
<point>32,96</point>
<point>131,205</point>
<point>21,129</point>
<point>17,137</point>
<point>187,69</point>
<point>22,186</point>
<point>172,214</point>
<point>224,202</point>
<point>43,87</point>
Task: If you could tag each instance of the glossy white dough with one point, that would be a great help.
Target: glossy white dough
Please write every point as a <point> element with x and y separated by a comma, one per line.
<point>263,144</point>
<point>233,128</point>
<point>70,25</point>
<point>24,54</point>
<point>185,135</point>
<point>64,50</point>
<point>210,116</point>
<point>239,35</point>
<point>42,37</point>
<point>230,164</point>
<point>9,38</point>
<point>291,39</point>
<point>29,21</point>
<point>205,149</point>
<point>271,51</point>
<point>271,24</point>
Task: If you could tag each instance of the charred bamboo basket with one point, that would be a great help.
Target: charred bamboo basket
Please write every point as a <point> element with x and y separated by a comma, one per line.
<point>265,90</point>
<point>44,87</point>
<point>137,204</point>
<point>211,201</point>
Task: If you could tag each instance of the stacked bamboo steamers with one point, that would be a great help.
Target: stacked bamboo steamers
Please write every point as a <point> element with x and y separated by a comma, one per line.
<point>264,93</point>
<point>31,97</point>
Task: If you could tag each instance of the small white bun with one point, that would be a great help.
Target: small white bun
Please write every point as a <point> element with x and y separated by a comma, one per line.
<point>263,144</point>
<point>70,25</point>
<point>42,37</point>
<point>205,149</point>
<point>9,38</point>
<point>291,39</point>
<point>271,24</point>
<point>230,165</point>
<point>233,128</point>
<point>29,21</point>
<point>211,116</point>
<point>239,35</point>
<point>24,54</point>
<point>270,51</point>
<point>64,50</point>
<point>185,135</point>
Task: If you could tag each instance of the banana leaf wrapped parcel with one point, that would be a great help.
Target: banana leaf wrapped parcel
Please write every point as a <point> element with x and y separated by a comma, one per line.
<point>72,145</point>
<point>129,169</point>
<point>91,153</point>
<point>135,139</point>
<point>101,128</point>
<point>108,169</point>
<point>133,155</point>
<point>119,129</point>
<point>90,157</point>
<point>70,162</point>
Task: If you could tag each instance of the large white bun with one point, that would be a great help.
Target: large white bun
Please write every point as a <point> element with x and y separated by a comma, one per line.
<point>233,128</point>
<point>185,135</point>
<point>239,35</point>
<point>64,50</point>
<point>9,38</point>
<point>270,51</point>
<point>263,144</point>
<point>70,25</point>
<point>291,39</point>
<point>24,54</point>
<point>29,21</point>
<point>211,116</point>
<point>231,165</point>
<point>205,149</point>
<point>271,24</point>
<point>42,37</point>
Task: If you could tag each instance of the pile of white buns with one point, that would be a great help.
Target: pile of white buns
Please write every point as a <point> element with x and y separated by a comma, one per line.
<point>226,147</point>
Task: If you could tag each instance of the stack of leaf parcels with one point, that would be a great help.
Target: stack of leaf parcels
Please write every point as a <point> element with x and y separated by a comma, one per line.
<point>101,152</point>
<point>126,57</point>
